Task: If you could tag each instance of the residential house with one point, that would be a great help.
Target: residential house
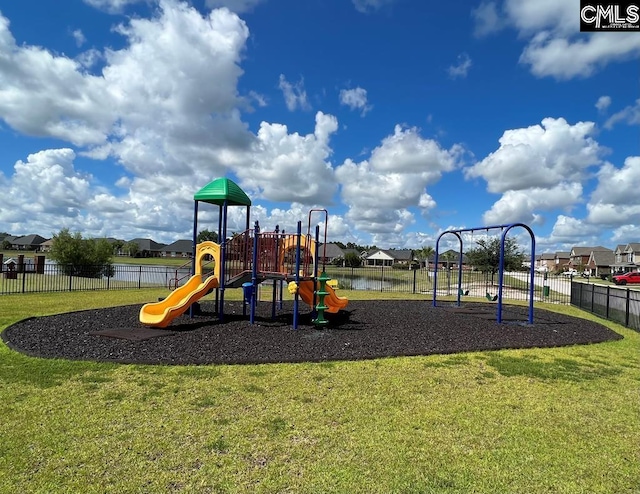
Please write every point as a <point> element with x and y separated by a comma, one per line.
<point>579,256</point>
<point>449,259</point>
<point>381,257</point>
<point>599,263</point>
<point>545,262</point>
<point>148,247</point>
<point>179,248</point>
<point>561,261</point>
<point>626,258</point>
<point>46,245</point>
<point>328,253</point>
<point>9,239</point>
<point>27,242</point>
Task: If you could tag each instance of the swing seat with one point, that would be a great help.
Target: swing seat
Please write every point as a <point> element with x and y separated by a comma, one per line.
<point>463,292</point>
<point>491,298</point>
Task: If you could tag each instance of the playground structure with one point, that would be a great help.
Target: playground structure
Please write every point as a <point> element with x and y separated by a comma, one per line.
<point>504,229</point>
<point>246,260</point>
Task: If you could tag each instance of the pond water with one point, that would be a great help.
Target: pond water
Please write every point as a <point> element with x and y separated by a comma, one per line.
<point>348,282</point>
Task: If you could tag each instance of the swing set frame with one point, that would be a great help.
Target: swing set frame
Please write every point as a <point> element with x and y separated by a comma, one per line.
<point>505,229</point>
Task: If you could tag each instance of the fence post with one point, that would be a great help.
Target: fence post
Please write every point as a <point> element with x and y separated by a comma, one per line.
<point>140,276</point>
<point>24,274</point>
<point>626,315</point>
<point>608,297</point>
<point>593,293</point>
<point>70,278</point>
<point>414,280</point>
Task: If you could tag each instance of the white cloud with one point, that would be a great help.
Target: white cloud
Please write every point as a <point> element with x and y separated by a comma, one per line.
<point>555,47</point>
<point>615,202</point>
<point>571,231</point>
<point>45,187</point>
<point>79,37</point>
<point>625,234</point>
<point>629,115</point>
<point>239,6</point>
<point>289,167</point>
<point>294,94</point>
<point>539,156</point>
<point>111,6</point>
<point>380,190</point>
<point>461,68</point>
<point>369,6</point>
<point>487,19</point>
<point>523,205</point>
<point>603,103</point>
<point>152,108</point>
<point>538,168</point>
<point>532,16</point>
<point>355,99</point>
<point>258,98</point>
<point>563,58</point>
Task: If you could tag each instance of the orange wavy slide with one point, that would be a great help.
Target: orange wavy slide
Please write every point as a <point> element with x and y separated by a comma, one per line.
<point>160,314</point>
<point>332,301</point>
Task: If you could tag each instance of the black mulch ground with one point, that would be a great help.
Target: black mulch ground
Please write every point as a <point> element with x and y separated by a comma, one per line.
<point>365,330</point>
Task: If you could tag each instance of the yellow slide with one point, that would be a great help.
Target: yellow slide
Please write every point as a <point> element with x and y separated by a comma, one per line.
<point>160,314</point>
<point>332,301</point>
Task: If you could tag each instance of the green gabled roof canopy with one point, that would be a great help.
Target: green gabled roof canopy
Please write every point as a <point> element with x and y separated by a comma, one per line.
<point>220,190</point>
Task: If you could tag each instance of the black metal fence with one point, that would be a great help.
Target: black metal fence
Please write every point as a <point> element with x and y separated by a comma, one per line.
<point>554,289</point>
<point>54,278</point>
<point>621,305</point>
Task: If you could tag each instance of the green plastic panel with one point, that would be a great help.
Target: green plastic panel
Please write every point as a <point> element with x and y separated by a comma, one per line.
<point>220,190</point>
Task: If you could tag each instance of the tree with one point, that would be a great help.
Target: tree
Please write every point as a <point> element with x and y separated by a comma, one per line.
<point>116,246</point>
<point>486,257</point>
<point>352,260</point>
<point>205,235</point>
<point>77,256</point>
<point>425,253</point>
<point>131,248</point>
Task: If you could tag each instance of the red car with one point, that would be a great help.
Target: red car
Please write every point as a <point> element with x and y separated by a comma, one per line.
<point>623,279</point>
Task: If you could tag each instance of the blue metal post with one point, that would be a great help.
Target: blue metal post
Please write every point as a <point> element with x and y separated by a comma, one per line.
<point>275,282</point>
<point>500,278</point>
<point>254,272</point>
<point>435,270</point>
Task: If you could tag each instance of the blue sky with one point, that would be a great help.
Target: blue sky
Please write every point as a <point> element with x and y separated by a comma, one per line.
<point>402,118</point>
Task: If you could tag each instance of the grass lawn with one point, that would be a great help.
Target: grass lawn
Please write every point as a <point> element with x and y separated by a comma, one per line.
<point>563,420</point>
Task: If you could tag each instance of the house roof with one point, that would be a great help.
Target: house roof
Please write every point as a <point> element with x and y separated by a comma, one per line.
<point>563,255</point>
<point>148,244</point>
<point>331,251</point>
<point>585,251</point>
<point>179,246</point>
<point>32,239</point>
<point>401,254</point>
<point>632,247</point>
<point>395,254</point>
<point>602,257</point>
